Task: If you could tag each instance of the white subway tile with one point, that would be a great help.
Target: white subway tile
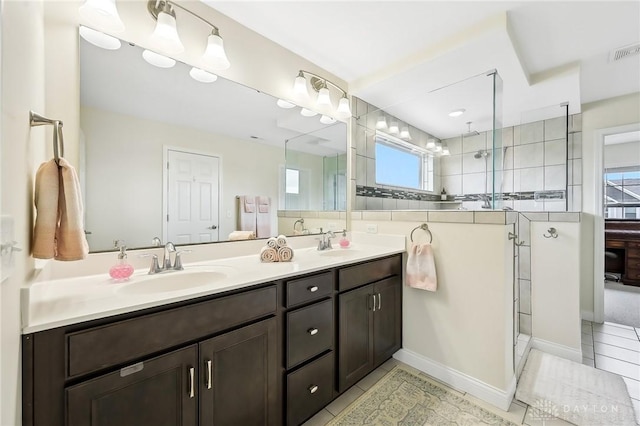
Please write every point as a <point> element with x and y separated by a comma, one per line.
<point>376,215</point>
<point>371,172</point>
<point>451,165</point>
<point>473,183</point>
<point>374,203</point>
<point>575,145</point>
<point>418,216</point>
<point>493,217</point>
<point>403,204</point>
<point>451,216</point>
<point>361,170</point>
<point>531,179</point>
<point>555,152</point>
<point>453,184</point>
<point>530,155</point>
<point>474,143</point>
<point>555,177</point>
<point>555,128</point>
<point>531,132</point>
<point>389,204</point>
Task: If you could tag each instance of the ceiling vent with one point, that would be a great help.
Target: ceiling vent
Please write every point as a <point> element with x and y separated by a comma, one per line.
<point>625,51</point>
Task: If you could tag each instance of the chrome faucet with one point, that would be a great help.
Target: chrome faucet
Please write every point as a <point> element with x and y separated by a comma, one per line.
<point>166,260</point>
<point>325,241</point>
<point>486,200</point>
<point>157,268</point>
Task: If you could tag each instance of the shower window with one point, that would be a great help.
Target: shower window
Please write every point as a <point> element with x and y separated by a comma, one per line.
<point>399,163</point>
<point>622,186</point>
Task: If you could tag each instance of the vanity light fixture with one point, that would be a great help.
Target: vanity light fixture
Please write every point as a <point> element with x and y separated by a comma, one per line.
<point>381,123</point>
<point>157,59</point>
<point>321,86</point>
<point>457,112</point>
<point>404,133</point>
<point>285,104</point>
<point>445,149</point>
<point>103,14</point>
<point>308,113</point>
<point>99,39</point>
<point>325,119</point>
<point>438,147</point>
<point>393,128</point>
<point>166,39</point>
<point>431,144</point>
<point>202,76</point>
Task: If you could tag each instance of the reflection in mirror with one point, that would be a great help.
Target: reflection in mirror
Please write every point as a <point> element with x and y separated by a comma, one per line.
<point>166,156</point>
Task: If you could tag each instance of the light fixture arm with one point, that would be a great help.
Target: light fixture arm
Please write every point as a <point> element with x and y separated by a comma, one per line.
<point>322,80</point>
<point>156,6</point>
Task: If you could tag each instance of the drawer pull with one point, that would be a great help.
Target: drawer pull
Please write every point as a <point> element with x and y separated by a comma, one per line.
<point>209,363</point>
<point>192,391</point>
<point>312,331</point>
<point>313,288</point>
<point>379,301</point>
<point>374,303</point>
<point>313,388</point>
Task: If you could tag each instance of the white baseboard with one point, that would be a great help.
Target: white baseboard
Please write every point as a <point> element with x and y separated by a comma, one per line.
<point>557,350</point>
<point>457,380</point>
<point>586,315</point>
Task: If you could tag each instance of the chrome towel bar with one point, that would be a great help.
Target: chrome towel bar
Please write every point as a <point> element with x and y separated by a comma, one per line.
<point>36,119</point>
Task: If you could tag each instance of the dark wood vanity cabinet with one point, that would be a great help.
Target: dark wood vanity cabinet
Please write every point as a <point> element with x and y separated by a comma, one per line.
<point>370,330</point>
<point>271,354</point>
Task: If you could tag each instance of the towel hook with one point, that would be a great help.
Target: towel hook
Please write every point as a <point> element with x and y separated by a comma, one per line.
<point>425,228</point>
<point>36,119</point>
<point>553,233</point>
<point>514,237</point>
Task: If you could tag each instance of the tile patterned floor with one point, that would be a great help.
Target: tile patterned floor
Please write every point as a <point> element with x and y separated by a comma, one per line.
<point>610,347</point>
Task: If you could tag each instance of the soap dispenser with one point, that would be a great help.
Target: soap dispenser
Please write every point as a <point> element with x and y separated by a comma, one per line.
<point>122,270</point>
<point>344,241</point>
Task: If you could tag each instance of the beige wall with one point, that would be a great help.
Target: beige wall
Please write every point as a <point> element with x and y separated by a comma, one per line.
<point>598,115</point>
<point>555,266</point>
<point>23,149</point>
<point>622,155</point>
<point>124,159</point>
<point>466,325</point>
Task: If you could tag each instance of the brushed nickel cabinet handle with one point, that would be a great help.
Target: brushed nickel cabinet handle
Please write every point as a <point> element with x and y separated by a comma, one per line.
<point>313,388</point>
<point>192,391</point>
<point>313,289</point>
<point>312,331</point>
<point>209,364</point>
<point>374,303</point>
<point>379,301</point>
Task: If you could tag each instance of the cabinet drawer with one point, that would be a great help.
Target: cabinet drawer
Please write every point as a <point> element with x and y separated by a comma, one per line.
<point>632,274</point>
<point>309,288</point>
<point>633,253</point>
<point>309,389</point>
<point>614,244</point>
<point>124,341</point>
<point>633,263</point>
<point>633,245</point>
<point>365,273</point>
<point>309,332</point>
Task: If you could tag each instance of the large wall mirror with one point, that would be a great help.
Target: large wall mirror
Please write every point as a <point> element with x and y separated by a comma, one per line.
<point>166,156</point>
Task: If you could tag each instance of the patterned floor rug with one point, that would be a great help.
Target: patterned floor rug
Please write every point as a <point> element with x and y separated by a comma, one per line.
<point>403,398</point>
<point>577,393</point>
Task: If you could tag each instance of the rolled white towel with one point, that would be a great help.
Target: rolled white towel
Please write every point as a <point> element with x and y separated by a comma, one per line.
<point>272,242</point>
<point>242,235</point>
<point>281,241</point>
<point>285,254</point>
<point>268,255</point>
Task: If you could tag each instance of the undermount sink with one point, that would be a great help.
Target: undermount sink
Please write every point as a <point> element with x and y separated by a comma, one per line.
<point>172,281</point>
<point>339,252</point>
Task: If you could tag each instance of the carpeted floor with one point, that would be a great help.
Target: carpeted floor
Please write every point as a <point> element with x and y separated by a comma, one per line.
<point>574,392</point>
<point>403,398</point>
<point>622,304</point>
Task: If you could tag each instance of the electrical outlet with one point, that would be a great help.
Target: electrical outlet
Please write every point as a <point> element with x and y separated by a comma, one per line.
<point>372,229</point>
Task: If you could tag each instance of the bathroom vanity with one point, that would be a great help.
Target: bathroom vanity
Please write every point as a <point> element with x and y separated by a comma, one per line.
<point>271,352</point>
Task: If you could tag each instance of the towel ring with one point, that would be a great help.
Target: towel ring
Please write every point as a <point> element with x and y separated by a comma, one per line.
<point>425,228</point>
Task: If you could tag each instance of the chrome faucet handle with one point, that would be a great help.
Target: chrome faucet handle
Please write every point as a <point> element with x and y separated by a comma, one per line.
<point>177,264</point>
<point>155,265</point>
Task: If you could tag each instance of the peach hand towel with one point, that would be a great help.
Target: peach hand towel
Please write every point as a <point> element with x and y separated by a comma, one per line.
<point>263,217</point>
<point>46,202</point>
<point>421,268</point>
<point>268,255</point>
<point>285,254</point>
<point>242,235</point>
<point>71,242</point>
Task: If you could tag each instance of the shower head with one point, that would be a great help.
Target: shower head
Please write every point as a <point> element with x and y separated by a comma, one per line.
<point>483,153</point>
<point>470,132</point>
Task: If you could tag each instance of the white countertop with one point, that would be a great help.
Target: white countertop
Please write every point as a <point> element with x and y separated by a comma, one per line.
<point>59,302</point>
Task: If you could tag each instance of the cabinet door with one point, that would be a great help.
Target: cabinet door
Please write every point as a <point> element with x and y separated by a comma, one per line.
<point>238,380</point>
<point>355,336</point>
<point>387,319</point>
<point>158,392</point>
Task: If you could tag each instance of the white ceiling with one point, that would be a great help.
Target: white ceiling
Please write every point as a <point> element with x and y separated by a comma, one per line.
<point>392,52</point>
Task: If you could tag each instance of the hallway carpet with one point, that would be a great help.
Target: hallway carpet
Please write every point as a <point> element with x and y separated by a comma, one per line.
<point>622,304</point>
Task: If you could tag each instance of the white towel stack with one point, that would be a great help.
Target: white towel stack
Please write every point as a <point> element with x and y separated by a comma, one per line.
<point>276,250</point>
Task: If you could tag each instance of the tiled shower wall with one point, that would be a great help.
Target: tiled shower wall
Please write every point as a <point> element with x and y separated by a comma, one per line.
<point>363,136</point>
<point>534,160</point>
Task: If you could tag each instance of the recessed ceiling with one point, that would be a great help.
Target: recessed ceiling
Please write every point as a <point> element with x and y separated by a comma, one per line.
<point>547,53</point>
